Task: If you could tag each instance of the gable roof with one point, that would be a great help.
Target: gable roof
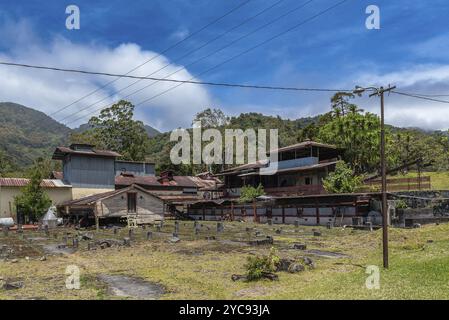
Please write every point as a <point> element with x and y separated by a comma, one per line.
<point>305,144</point>
<point>92,199</point>
<point>61,152</point>
<point>152,181</point>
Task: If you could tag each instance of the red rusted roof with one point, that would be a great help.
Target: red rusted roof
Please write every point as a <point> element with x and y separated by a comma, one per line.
<point>57,175</point>
<point>151,181</point>
<point>22,182</point>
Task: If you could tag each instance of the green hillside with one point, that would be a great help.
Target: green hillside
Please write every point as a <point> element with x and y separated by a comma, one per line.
<point>26,134</point>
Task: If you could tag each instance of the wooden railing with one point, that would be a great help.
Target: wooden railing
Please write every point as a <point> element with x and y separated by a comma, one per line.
<point>301,190</point>
<point>399,184</point>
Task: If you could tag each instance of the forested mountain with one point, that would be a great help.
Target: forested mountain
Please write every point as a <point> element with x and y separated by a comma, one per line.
<point>27,134</point>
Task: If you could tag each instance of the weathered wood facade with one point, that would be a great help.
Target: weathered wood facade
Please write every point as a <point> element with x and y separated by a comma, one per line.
<point>341,209</point>
<point>133,201</point>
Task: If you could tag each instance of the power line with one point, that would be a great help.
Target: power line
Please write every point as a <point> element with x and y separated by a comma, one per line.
<point>236,56</point>
<point>156,56</point>
<point>170,63</point>
<point>257,46</point>
<point>240,38</point>
<point>420,97</point>
<point>168,80</point>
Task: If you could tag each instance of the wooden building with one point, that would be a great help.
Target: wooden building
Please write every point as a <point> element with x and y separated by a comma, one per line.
<point>132,202</point>
<point>299,171</point>
<point>336,209</point>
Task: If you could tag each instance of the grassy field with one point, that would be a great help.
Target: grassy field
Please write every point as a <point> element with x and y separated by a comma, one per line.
<point>196,268</point>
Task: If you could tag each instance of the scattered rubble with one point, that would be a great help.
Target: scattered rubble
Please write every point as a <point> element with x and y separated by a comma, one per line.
<point>260,242</point>
<point>300,246</point>
<point>7,285</point>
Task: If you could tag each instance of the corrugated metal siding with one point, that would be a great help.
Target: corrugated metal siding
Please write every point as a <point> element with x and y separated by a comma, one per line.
<point>90,172</point>
<point>138,169</point>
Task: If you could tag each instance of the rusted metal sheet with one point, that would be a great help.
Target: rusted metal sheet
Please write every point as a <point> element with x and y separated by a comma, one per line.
<point>22,182</point>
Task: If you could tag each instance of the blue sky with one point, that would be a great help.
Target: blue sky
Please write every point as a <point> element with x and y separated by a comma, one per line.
<point>334,50</point>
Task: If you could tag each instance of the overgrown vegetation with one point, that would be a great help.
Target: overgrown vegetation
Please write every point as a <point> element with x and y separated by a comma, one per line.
<point>346,125</point>
<point>250,193</point>
<point>33,201</point>
<point>257,266</point>
<point>342,180</point>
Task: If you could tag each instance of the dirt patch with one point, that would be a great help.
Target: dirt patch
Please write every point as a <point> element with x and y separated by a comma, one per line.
<point>57,249</point>
<point>251,292</point>
<point>130,287</point>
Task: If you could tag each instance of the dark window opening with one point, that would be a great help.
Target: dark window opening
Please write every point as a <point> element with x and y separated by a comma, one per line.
<point>308,180</point>
<point>131,202</point>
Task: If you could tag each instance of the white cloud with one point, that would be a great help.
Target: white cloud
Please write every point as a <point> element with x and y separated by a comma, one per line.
<point>406,111</point>
<point>49,91</point>
<point>180,33</point>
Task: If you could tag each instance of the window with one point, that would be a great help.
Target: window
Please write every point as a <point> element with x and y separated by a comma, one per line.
<point>308,180</point>
<point>131,202</point>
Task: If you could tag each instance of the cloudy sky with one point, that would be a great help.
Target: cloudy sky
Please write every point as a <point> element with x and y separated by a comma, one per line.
<point>333,50</point>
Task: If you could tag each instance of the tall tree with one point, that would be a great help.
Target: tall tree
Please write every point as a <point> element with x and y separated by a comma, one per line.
<point>116,130</point>
<point>211,118</point>
<point>33,200</point>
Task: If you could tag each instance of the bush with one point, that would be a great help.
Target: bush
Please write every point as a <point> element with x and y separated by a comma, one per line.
<point>342,180</point>
<point>257,266</point>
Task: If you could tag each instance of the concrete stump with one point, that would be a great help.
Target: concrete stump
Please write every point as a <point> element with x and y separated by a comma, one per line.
<point>270,222</point>
<point>220,227</point>
<point>149,235</point>
<point>127,242</point>
<point>369,224</point>
<point>329,225</point>
<point>297,223</point>
<point>131,234</point>
<point>300,246</point>
<point>5,230</point>
<point>47,233</point>
<point>75,242</point>
<point>176,227</point>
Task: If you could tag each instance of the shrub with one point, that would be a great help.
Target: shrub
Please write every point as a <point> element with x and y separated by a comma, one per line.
<point>257,266</point>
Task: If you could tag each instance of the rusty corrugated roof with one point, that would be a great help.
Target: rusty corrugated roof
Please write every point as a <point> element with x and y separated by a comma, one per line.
<point>152,181</point>
<point>22,182</point>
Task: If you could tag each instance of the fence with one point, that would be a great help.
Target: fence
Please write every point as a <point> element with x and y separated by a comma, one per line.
<point>399,184</point>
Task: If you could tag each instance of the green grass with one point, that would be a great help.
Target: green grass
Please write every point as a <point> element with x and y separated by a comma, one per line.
<point>201,269</point>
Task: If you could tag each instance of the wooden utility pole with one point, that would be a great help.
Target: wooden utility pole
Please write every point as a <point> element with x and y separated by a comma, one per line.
<point>381,92</point>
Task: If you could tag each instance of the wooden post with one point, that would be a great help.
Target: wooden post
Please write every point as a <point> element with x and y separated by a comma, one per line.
<point>97,219</point>
<point>283,215</point>
<point>232,211</point>
<point>204,213</point>
<point>317,208</point>
<point>254,210</point>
